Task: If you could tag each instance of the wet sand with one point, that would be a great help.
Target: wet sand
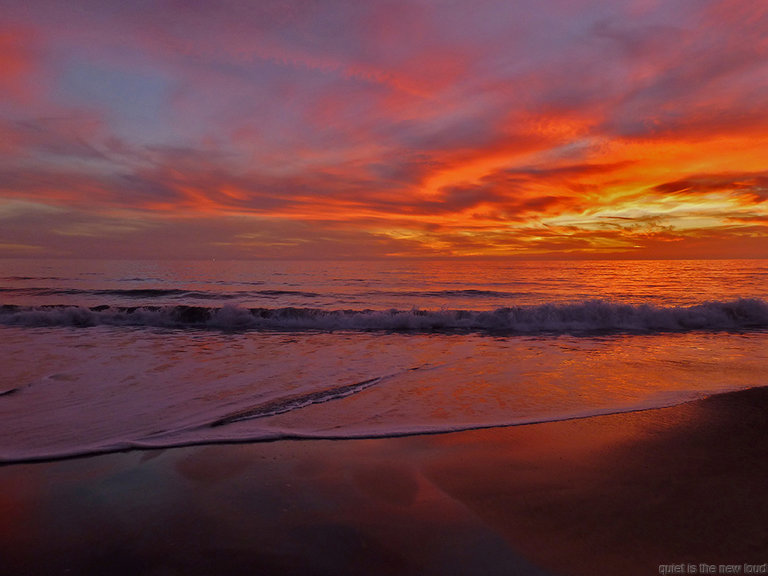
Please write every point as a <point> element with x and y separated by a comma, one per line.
<point>618,494</point>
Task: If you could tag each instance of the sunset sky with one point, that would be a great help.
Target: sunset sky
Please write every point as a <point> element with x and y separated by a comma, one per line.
<point>365,129</point>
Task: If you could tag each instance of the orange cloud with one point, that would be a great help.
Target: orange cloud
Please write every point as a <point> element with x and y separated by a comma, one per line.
<point>421,129</point>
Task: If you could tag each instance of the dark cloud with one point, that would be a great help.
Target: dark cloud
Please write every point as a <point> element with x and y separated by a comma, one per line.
<point>754,184</point>
<point>461,124</point>
<point>65,137</point>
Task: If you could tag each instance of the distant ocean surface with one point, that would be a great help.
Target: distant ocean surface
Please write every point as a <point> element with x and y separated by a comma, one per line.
<point>99,356</point>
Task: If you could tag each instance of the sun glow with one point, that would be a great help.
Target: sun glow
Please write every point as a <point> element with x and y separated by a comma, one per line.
<point>276,134</point>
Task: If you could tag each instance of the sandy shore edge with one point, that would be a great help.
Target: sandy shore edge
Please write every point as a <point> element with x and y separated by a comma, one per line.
<point>616,494</point>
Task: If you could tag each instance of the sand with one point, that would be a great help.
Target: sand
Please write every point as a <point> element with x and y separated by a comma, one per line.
<point>639,493</point>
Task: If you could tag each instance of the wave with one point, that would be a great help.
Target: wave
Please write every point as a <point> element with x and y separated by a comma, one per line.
<point>588,316</point>
<point>217,431</point>
<point>149,293</point>
<point>295,402</point>
<point>24,278</point>
<point>126,293</point>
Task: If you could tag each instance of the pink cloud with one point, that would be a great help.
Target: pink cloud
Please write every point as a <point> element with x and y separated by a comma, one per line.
<point>448,120</point>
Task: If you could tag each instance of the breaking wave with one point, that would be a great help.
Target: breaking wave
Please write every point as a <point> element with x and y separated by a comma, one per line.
<point>588,316</point>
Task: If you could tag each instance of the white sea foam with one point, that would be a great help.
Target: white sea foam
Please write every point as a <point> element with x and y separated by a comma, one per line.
<point>65,392</point>
<point>588,316</point>
<point>99,357</point>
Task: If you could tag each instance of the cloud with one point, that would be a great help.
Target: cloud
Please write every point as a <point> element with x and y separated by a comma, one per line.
<point>60,138</point>
<point>18,65</point>
<point>752,187</point>
<point>399,127</point>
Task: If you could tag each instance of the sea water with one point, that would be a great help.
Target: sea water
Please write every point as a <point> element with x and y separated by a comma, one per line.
<point>100,356</point>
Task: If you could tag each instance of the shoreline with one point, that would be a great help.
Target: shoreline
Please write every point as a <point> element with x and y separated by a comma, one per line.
<point>620,493</point>
<point>49,459</point>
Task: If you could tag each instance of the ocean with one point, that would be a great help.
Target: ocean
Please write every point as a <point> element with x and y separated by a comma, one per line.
<point>102,356</point>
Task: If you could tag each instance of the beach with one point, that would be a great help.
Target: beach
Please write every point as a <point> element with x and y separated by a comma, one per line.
<point>634,493</point>
<point>383,288</point>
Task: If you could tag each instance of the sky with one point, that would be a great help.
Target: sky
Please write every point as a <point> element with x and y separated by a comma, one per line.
<point>382,129</point>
